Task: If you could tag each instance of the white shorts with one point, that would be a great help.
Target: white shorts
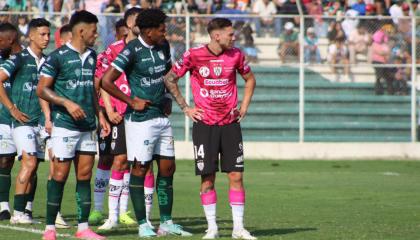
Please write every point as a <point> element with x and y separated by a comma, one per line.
<point>66,143</point>
<point>148,140</point>
<point>27,138</point>
<point>45,137</point>
<point>7,146</point>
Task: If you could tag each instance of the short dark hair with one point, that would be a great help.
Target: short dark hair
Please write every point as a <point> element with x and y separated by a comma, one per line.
<point>150,18</point>
<point>38,22</point>
<point>120,23</point>
<point>7,27</point>
<point>66,28</point>
<point>130,12</point>
<point>218,23</point>
<point>82,16</point>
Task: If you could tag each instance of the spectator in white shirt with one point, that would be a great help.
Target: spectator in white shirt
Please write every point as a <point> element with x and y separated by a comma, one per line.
<point>265,9</point>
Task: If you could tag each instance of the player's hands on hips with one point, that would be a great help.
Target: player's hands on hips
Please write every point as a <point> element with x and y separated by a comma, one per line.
<point>48,126</point>
<point>74,110</point>
<point>196,114</point>
<point>139,104</point>
<point>114,116</point>
<point>105,126</point>
<point>18,115</point>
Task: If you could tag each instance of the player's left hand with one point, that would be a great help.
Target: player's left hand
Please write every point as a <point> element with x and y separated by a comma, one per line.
<point>242,113</point>
<point>105,127</point>
<point>196,114</point>
<point>167,106</point>
<point>48,126</point>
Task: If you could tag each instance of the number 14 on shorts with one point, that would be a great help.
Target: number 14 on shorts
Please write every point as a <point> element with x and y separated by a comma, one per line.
<point>199,152</point>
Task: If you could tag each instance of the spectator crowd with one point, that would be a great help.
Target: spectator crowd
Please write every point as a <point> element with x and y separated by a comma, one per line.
<point>353,30</point>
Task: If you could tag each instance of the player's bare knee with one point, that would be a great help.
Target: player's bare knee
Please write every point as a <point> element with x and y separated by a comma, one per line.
<point>140,170</point>
<point>235,177</point>
<point>106,160</point>
<point>119,164</point>
<point>60,176</point>
<point>167,169</point>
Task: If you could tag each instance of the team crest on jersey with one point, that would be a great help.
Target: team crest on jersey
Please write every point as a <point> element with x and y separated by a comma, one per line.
<point>204,71</point>
<point>161,55</point>
<point>217,70</point>
<point>113,145</point>
<point>34,76</point>
<point>151,70</point>
<point>102,146</point>
<point>126,52</point>
<point>77,72</point>
<point>90,60</point>
<point>200,165</point>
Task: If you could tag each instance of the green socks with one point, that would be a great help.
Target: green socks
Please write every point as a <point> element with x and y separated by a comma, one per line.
<point>54,197</point>
<point>5,183</point>
<point>165,195</point>
<point>137,197</point>
<point>20,202</point>
<point>83,198</point>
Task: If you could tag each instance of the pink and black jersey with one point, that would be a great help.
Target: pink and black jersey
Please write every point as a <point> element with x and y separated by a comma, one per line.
<point>104,61</point>
<point>213,81</point>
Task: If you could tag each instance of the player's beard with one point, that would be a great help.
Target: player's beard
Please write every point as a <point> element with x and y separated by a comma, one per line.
<point>5,53</point>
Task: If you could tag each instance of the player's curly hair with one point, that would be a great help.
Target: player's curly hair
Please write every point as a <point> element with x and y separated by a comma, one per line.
<point>130,12</point>
<point>8,27</point>
<point>150,18</point>
<point>218,23</point>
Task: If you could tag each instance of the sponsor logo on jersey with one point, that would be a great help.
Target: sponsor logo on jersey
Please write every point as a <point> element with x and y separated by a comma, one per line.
<point>31,65</point>
<point>7,84</point>
<point>87,72</point>
<point>73,84</point>
<point>13,57</point>
<point>160,68</point>
<point>204,71</point>
<point>217,70</point>
<point>145,82</point>
<point>200,165</point>
<point>217,60</point>
<point>28,87</point>
<point>204,93</point>
<point>146,59</point>
<point>73,61</point>
<point>61,52</point>
<point>215,93</point>
<point>161,55</point>
<point>138,49</point>
<point>216,82</point>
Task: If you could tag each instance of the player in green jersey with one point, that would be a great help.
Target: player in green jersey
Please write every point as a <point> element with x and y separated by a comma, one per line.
<point>148,131</point>
<point>9,44</point>
<point>67,82</point>
<point>22,71</point>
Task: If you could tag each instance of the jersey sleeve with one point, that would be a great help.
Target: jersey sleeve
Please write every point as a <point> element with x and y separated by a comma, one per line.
<point>183,65</point>
<point>243,67</point>
<point>50,67</point>
<point>11,65</point>
<point>124,59</point>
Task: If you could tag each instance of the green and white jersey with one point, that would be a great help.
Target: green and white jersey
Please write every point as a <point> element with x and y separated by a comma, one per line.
<point>22,69</point>
<point>5,117</point>
<point>73,75</point>
<point>145,66</point>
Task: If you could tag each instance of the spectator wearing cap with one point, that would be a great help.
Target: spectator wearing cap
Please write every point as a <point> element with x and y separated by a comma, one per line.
<point>358,42</point>
<point>371,24</point>
<point>360,7</point>
<point>289,42</point>
<point>311,51</point>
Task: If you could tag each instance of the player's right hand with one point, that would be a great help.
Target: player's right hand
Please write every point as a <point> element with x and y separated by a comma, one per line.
<point>139,104</point>
<point>196,114</point>
<point>18,115</point>
<point>114,116</point>
<point>74,110</point>
<point>48,126</point>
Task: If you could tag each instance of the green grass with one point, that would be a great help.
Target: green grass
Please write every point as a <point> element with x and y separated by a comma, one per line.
<point>287,200</point>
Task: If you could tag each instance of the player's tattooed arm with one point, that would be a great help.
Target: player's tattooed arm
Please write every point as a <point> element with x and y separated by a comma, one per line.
<point>171,83</point>
<point>250,83</point>
<point>45,92</point>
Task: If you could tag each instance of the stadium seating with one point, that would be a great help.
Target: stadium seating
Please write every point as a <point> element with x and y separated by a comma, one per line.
<point>334,111</point>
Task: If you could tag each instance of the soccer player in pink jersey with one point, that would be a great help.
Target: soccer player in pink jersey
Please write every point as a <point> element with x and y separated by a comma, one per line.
<point>216,128</point>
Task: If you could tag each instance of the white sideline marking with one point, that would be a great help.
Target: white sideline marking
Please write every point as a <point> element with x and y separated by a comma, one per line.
<point>391,174</point>
<point>32,230</point>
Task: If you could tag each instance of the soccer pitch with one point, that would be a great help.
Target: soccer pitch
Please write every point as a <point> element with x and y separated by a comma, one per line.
<point>285,200</point>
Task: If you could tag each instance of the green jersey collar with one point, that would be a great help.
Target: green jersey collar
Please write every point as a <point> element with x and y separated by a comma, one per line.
<point>144,43</point>
<point>83,56</point>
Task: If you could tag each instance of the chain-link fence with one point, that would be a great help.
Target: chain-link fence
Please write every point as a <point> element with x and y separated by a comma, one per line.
<point>319,78</point>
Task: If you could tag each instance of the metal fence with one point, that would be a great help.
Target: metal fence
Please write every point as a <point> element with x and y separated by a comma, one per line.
<point>319,78</point>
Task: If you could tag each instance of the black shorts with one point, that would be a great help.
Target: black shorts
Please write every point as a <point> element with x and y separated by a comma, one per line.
<point>114,143</point>
<point>212,141</point>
